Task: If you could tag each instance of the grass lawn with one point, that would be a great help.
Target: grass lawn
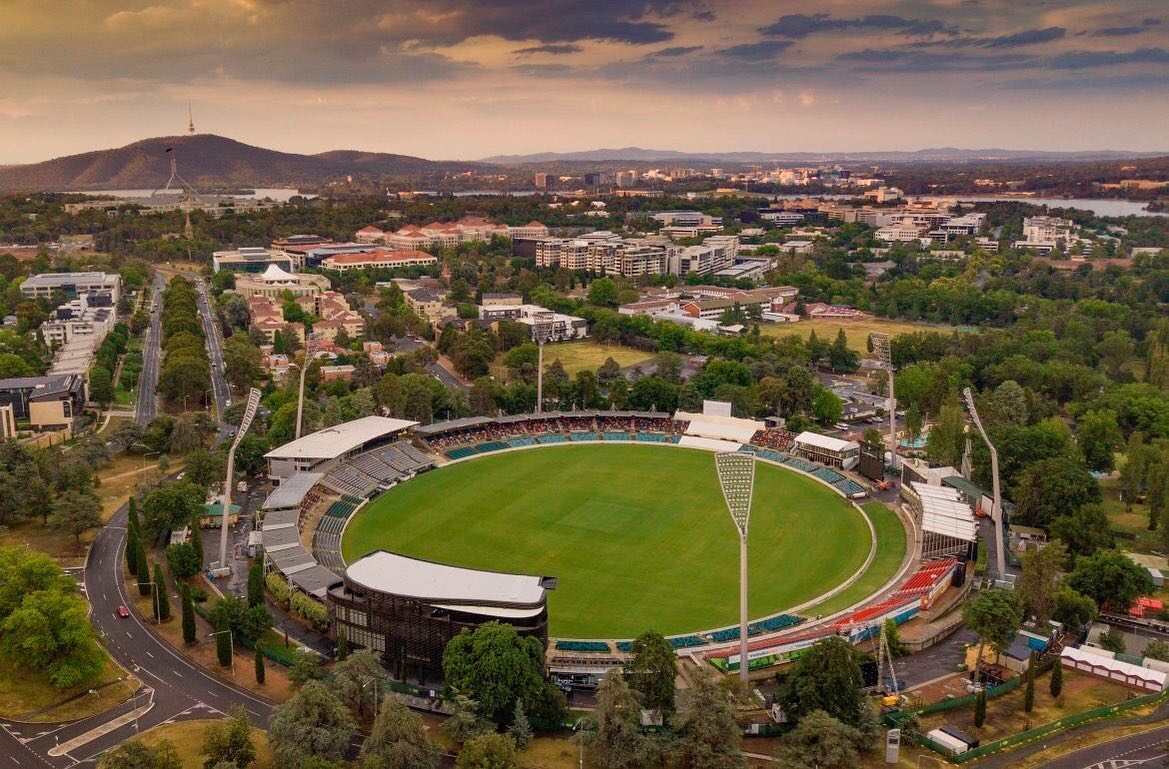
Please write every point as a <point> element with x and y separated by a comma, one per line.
<point>890,553</point>
<point>1132,529</point>
<point>857,331</point>
<point>638,535</point>
<point>25,693</point>
<point>583,354</point>
<point>187,738</point>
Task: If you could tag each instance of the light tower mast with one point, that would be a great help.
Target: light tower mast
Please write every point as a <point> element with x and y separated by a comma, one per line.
<point>190,120</point>
<point>996,517</point>
<point>736,476</point>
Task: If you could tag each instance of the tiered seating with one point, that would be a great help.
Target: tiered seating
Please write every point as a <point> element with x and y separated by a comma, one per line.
<point>327,538</point>
<point>773,438</point>
<point>828,475</point>
<point>724,635</point>
<point>523,440</point>
<point>675,438</point>
<point>925,578</point>
<point>462,452</point>
<point>491,446</point>
<point>616,435</point>
<point>651,437</point>
<point>849,487</point>
<point>582,646</point>
<point>677,642</point>
<point>584,436</point>
<point>772,624</point>
<point>544,440</point>
<point>349,480</point>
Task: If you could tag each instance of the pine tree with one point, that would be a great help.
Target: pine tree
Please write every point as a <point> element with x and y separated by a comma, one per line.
<point>1029,693</point>
<point>259,664</point>
<point>1056,684</point>
<point>132,548</point>
<point>520,729</point>
<point>256,585</point>
<point>161,600</point>
<point>189,629</point>
<point>197,539</point>
<point>223,647</point>
<point>980,709</point>
<point>143,570</point>
<point>342,644</point>
<point>132,513</point>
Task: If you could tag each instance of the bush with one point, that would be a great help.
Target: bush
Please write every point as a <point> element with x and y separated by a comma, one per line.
<point>199,595</point>
<point>278,587</point>
<point>310,609</point>
<point>183,561</point>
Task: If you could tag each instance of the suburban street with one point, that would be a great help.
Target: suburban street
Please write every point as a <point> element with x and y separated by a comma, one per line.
<point>147,408</point>
<point>1146,749</point>
<point>219,388</point>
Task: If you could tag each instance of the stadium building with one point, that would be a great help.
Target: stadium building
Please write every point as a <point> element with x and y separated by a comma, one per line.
<point>332,443</point>
<point>407,609</point>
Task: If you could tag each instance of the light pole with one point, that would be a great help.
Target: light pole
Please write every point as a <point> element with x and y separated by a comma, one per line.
<point>230,645</point>
<point>144,456</point>
<point>881,346</point>
<point>578,727</point>
<point>736,476</point>
<point>996,514</point>
<point>245,423</point>
<point>542,332</point>
<point>368,680</point>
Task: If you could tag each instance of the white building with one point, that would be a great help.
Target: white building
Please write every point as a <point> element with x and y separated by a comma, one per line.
<point>379,258</point>
<point>72,285</point>
<point>716,253</point>
<point>904,231</point>
<point>316,449</point>
<point>251,259</point>
<point>562,328</point>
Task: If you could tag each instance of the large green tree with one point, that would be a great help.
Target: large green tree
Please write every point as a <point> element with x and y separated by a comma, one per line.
<point>488,751</point>
<point>615,736</point>
<point>995,616</point>
<point>1039,580</point>
<point>50,632</point>
<point>826,677</point>
<point>1053,487</point>
<point>357,677</point>
<point>652,670</point>
<point>398,740</point>
<point>229,740</point>
<point>820,741</point>
<point>313,723</point>
<point>1111,579</point>
<point>707,735</point>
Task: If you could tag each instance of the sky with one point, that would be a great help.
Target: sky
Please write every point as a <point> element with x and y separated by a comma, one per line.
<point>465,79</point>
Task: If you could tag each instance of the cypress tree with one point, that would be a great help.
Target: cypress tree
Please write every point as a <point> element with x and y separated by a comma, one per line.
<point>132,549</point>
<point>132,513</point>
<point>189,629</point>
<point>980,709</point>
<point>143,571</point>
<point>259,664</point>
<point>342,644</point>
<point>1029,692</point>
<point>256,585</point>
<point>161,599</point>
<point>1056,684</point>
<point>223,648</point>
<point>197,539</point>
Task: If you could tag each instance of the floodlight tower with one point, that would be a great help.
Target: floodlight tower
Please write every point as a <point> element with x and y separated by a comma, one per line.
<point>245,423</point>
<point>309,349</point>
<point>884,353</point>
<point>736,476</point>
<point>542,332</point>
<point>997,513</point>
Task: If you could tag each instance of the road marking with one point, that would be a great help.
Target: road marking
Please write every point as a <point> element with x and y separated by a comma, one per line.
<point>99,731</point>
<point>148,654</point>
<point>177,673</point>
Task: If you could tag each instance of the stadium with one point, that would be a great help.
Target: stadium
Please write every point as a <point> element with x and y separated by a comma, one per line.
<point>584,529</point>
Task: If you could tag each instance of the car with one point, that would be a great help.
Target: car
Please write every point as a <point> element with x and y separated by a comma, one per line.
<point>123,612</point>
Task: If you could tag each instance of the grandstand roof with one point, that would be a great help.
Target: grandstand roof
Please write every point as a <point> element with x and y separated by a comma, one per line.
<point>334,441</point>
<point>401,575</point>
<point>438,428</point>
<point>826,442</point>
<point>943,511</point>
<point>315,581</point>
<point>722,428</point>
<point>291,492</point>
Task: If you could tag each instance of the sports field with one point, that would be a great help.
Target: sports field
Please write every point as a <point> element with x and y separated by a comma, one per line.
<point>638,535</point>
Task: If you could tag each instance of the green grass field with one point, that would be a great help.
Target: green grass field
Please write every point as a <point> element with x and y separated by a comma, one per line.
<point>638,535</point>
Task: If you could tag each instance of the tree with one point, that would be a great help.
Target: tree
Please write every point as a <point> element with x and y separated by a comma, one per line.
<point>1115,349</point>
<point>1084,531</point>
<point>259,664</point>
<point>608,373</point>
<point>1029,692</point>
<point>913,422</point>
<point>1040,578</point>
<point>651,672</point>
<point>185,436</point>
<point>616,737</point>
<point>204,468</point>
<point>183,560</point>
<point>50,631</point>
<point>520,729</point>
<point>101,385</point>
<point>842,358</point>
<point>705,725</point>
<point>161,599</point>
<point>313,723</point>
<point>1055,685</point>
<point>495,666</point>
<point>1113,640</point>
<point>464,721</point>
<point>1157,650</point>
<point>134,754</point>
<point>256,585</point>
<point>996,616</point>
<point>143,570</point>
<point>305,667</point>
<point>197,536</point>
<point>24,572</point>
<point>1111,579</point>
<point>1071,608</point>
<point>1132,473</point>
<point>1098,435</point>
<point>603,292</point>
<point>352,674</point>
<point>1052,487</point>
<point>980,709</point>
<point>947,439</point>
<point>189,628</point>
<point>230,740</point>
<point>398,740</point>
<point>1007,404</point>
<point>171,506</point>
<point>820,741</point>
<point>132,535</point>
<point>75,513</point>
<point>223,645</point>
<point>826,677</point>
<point>827,407</point>
<point>489,751</point>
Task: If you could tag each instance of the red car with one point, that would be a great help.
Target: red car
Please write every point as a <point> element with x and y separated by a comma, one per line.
<point>123,612</point>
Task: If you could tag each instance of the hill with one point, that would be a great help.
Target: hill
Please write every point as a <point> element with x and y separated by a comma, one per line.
<point>208,161</point>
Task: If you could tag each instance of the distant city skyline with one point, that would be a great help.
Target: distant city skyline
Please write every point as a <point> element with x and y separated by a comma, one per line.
<point>459,79</point>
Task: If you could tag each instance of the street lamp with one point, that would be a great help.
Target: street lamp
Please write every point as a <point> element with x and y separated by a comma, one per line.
<point>230,644</point>
<point>578,727</point>
<point>996,514</point>
<point>736,476</point>
<point>245,423</point>
<point>541,332</point>
<point>366,681</point>
<point>881,346</point>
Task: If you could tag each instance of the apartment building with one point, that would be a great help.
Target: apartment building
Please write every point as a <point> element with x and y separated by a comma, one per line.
<point>378,258</point>
<point>714,254</point>
<point>451,234</point>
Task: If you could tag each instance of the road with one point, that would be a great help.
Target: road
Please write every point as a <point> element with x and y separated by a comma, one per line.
<point>147,408</point>
<point>219,389</point>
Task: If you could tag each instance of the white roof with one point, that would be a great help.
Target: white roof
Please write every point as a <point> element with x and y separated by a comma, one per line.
<point>414,578</point>
<point>334,441</point>
<point>943,511</point>
<point>1087,656</point>
<point>275,273</point>
<point>721,428</point>
<point>291,491</point>
<point>826,442</point>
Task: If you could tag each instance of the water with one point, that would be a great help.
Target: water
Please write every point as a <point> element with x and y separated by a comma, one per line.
<point>1106,207</point>
<point>279,194</point>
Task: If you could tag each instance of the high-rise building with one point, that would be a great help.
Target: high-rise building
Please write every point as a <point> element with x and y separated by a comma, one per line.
<point>542,181</point>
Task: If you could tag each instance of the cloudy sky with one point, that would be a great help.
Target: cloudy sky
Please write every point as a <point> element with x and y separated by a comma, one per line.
<point>471,78</point>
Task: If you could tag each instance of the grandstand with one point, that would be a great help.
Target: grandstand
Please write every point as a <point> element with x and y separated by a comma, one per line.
<point>331,444</point>
<point>827,450</point>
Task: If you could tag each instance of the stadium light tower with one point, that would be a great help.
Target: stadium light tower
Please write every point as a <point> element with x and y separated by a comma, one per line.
<point>542,332</point>
<point>881,346</point>
<point>736,476</point>
<point>997,513</point>
<point>308,359</point>
<point>245,423</point>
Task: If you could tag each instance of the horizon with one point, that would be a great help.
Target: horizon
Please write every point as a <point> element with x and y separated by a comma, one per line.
<point>454,79</point>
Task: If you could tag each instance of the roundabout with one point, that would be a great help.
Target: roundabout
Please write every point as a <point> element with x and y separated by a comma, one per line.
<point>638,535</point>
